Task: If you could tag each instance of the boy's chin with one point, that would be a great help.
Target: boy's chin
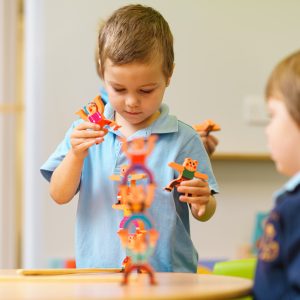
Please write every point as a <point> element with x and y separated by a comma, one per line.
<point>283,170</point>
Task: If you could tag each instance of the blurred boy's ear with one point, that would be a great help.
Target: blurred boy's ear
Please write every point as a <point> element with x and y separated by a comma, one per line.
<point>97,63</point>
<point>169,78</point>
<point>99,69</point>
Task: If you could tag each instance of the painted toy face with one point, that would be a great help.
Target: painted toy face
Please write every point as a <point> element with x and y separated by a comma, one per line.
<point>190,165</point>
<point>123,170</point>
<point>135,91</point>
<point>283,136</point>
<point>92,108</point>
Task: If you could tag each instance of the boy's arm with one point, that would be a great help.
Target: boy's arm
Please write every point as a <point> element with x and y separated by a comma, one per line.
<point>66,178</point>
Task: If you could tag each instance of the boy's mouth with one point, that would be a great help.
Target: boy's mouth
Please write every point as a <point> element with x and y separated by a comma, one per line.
<point>133,113</point>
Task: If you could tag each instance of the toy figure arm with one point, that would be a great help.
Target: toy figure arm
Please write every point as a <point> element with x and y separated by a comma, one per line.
<point>150,194</point>
<point>124,145</point>
<point>82,115</point>
<point>135,177</point>
<point>200,175</point>
<point>208,126</point>
<point>151,143</point>
<point>115,177</point>
<point>99,103</point>
<point>114,125</point>
<point>176,166</point>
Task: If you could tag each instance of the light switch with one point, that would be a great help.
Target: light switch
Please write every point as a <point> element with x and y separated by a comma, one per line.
<point>255,110</point>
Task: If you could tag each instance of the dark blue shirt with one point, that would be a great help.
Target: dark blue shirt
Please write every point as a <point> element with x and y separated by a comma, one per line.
<point>278,268</point>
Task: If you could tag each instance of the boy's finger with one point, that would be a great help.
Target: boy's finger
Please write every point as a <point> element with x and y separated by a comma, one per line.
<point>193,183</point>
<point>85,145</point>
<point>201,200</point>
<point>81,143</point>
<point>88,125</point>
<point>201,210</point>
<point>88,134</point>
<point>194,191</point>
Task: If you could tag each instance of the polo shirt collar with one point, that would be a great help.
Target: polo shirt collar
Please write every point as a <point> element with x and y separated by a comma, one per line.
<point>165,123</point>
<point>289,186</point>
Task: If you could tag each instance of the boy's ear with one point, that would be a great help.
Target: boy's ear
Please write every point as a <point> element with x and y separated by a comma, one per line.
<point>169,78</point>
<point>99,69</point>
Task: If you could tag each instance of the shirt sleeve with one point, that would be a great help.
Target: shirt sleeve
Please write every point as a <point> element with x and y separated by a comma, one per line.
<point>58,155</point>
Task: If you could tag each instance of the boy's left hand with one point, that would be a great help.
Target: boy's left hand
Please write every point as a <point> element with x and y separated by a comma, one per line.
<point>195,192</point>
<point>209,141</point>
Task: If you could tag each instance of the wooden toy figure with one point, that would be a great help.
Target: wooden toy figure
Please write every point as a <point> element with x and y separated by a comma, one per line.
<point>188,171</point>
<point>93,112</point>
<point>137,151</point>
<point>136,230</point>
<point>131,181</point>
<point>207,126</point>
<point>141,244</point>
<point>123,205</point>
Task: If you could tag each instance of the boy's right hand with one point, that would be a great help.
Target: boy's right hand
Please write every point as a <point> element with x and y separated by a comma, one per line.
<point>84,136</point>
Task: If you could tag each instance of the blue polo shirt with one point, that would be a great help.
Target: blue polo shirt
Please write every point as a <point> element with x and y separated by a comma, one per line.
<point>104,95</point>
<point>97,242</point>
<point>278,268</point>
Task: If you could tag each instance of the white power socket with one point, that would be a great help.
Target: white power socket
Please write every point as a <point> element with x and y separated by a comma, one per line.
<point>255,110</point>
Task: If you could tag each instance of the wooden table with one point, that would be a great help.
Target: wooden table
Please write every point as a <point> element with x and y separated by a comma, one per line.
<point>108,286</point>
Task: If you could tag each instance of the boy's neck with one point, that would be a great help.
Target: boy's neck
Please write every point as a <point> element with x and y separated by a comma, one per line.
<point>128,129</point>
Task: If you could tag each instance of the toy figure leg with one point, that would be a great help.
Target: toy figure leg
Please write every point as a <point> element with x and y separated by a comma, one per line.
<point>172,184</point>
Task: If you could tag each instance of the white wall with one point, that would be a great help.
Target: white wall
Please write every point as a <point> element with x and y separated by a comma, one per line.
<point>8,121</point>
<point>224,51</point>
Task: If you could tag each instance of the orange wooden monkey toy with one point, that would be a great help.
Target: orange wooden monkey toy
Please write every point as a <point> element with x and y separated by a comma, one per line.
<point>208,126</point>
<point>188,170</point>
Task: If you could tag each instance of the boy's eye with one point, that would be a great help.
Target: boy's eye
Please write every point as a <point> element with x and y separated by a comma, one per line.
<point>119,90</point>
<point>146,91</point>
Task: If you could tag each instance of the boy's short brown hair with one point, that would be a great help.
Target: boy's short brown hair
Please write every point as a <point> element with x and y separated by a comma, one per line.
<point>284,84</point>
<point>136,33</point>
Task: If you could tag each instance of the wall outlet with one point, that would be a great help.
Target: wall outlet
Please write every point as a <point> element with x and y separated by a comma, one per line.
<point>255,110</point>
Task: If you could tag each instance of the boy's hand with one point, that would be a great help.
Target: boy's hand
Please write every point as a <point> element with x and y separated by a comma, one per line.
<point>210,141</point>
<point>197,193</point>
<point>84,136</point>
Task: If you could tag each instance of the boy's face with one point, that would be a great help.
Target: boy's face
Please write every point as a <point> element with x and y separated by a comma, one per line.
<point>135,91</point>
<point>283,138</point>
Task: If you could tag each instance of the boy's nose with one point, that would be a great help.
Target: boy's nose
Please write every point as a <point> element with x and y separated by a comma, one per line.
<point>132,101</point>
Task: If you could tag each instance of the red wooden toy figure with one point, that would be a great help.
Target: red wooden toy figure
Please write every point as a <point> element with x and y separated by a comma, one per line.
<point>93,112</point>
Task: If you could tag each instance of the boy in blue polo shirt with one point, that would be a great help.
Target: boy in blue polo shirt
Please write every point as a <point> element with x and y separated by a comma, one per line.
<point>278,268</point>
<point>136,62</point>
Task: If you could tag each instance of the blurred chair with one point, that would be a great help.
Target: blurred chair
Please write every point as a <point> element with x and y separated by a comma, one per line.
<point>244,268</point>
<point>240,268</point>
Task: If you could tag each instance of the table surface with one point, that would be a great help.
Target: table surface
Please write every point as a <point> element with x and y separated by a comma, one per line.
<point>108,286</point>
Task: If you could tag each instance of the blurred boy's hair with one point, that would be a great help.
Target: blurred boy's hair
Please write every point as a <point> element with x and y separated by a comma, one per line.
<point>284,84</point>
<point>136,33</point>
